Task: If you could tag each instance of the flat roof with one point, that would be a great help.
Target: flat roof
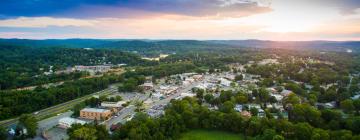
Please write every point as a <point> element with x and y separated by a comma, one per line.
<point>94,110</point>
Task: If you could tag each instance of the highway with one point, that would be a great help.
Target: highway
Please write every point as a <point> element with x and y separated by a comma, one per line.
<point>41,114</point>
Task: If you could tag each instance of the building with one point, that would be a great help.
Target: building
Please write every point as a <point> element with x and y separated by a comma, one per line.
<point>286,92</point>
<point>147,86</point>
<point>225,82</point>
<point>245,114</point>
<point>187,95</point>
<point>238,107</point>
<point>198,77</point>
<point>95,113</point>
<point>113,106</point>
<point>67,122</point>
<point>93,69</point>
<point>168,90</point>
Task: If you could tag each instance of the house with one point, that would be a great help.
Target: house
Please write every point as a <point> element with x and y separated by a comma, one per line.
<point>67,122</point>
<point>198,77</point>
<point>277,96</point>
<point>355,97</point>
<point>238,107</point>
<point>157,95</point>
<point>246,114</point>
<point>147,86</point>
<point>95,114</point>
<point>187,95</point>
<point>168,90</point>
<point>261,112</point>
<point>225,82</point>
<point>286,92</point>
<point>271,90</point>
<point>328,105</point>
<point>230,77</point>
<point>186,83</point>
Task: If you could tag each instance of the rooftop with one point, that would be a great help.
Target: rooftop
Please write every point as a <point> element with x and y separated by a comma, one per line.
<point>94,110</point>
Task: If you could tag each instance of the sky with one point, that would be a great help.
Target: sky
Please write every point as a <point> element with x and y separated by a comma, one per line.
<point>285,20</point>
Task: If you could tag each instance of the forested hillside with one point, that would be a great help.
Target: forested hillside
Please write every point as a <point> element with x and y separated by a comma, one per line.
<point>24,66</point>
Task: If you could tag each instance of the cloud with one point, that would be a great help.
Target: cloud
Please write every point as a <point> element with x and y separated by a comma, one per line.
<point>44,22</point>
<point>126,8</point>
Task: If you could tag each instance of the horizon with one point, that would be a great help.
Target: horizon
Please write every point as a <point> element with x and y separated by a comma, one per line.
<point>145,39</point>
<point>274,20</point>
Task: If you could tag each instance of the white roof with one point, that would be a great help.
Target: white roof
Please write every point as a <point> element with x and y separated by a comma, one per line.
<point>147,84</point>
<point>68,120</point>
<point>112,104</point>
<point>187,94</point>
<point>286,92</point>
<point>94,110</point>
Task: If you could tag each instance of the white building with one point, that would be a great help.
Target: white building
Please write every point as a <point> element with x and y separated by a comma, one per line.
<point>238,108</point>
<point>113,104</point>
<point>225,82</point>
<point>93,69</point>
<point>277,96</point>
<point>286,92</point>
<point>187,95</point>
<point>67,122</point>
<point>147,86</point>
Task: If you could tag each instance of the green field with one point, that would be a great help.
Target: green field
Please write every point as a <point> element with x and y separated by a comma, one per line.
<point>210,135</point>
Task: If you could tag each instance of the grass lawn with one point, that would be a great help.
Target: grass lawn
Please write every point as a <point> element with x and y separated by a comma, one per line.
<point>210,135</point>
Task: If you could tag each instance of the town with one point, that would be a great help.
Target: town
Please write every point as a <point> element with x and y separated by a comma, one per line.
<point>115,108</point>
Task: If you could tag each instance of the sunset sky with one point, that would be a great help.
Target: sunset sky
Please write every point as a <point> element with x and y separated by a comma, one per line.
<point>181,19</point>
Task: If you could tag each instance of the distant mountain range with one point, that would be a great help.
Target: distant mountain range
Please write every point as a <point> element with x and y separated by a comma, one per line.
<point>148,45</point>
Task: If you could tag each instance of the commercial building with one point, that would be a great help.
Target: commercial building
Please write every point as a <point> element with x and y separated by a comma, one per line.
<point>67,122</point>
<point>147,86</point>
<point>113,106</point>
<point>93,69</point>
<point>95,113</point>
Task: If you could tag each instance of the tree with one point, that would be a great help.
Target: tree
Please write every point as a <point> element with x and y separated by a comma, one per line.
<point>77,109</point>
<point>291,99</point>
<point>227,107</point>
<point>357,105</point>
<point>303,131</point>
<point>3,133</point>
<point>84,133</point>
<point>239,77</point>
<point>320,134</point>
<point>139,105</point>
<point>347,105</point>
<point>278,137</point>
<point>353,124</point>
<point>242,99</point>
<point>208,98</point>
<point>264,96</point>
<point>88,132</point>
<point>200,94</point>
<point>305,113</point>
<point>29,123</point>
<point>254,111</point>
<point>329,115</point>
<point>269,134</point>
<point>118,98</point>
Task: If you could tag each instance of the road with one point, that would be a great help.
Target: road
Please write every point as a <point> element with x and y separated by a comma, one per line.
<point>50,123</point>
<point>60,107</point>
<point>130,110</point>
<point>127,111</point>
